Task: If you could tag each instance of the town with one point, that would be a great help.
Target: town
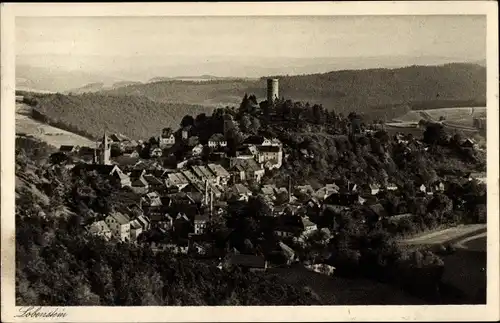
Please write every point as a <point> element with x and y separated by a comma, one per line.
<point>181,190</point>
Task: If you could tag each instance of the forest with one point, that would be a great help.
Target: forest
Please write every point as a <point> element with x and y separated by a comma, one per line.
<point>90,114</point>
<point>362,91</point>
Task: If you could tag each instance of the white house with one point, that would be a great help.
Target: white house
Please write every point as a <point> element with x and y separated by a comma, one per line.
<point>217,140</point>
<point>119,225</point>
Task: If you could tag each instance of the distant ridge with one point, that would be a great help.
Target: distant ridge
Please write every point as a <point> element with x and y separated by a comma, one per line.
<point>345,90</point>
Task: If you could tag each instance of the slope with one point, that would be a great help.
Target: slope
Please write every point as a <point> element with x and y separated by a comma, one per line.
<point>368,91</point>
<point>91,114</point>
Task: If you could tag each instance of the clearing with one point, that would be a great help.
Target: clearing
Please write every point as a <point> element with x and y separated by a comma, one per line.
<point>455,235</point>
<point>51,135</point>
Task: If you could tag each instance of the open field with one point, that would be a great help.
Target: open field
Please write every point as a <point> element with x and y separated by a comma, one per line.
<point>344,291</point>
<point>51,135</point>
<point>450,235</point>
<point>453,116</point>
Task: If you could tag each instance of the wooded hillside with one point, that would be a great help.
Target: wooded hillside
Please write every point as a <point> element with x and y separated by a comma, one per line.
<point>349,90</point>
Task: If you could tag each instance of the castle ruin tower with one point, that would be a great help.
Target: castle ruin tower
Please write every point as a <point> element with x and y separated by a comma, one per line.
<point>272,90</point>
<point>105,151</point>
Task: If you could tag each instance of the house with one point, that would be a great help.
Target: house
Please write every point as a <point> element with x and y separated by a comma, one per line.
<point>370,189</point>
<point>123,179</point>
<point>155,152</point>
<point>469,143</point>
<point>69,149</point>
<point>288,252</point>
<point>135,230</point>
<point>151,199</point>
<point>200,223</point>
<point>197,150</point>
<point>112,172</point>
<point>131,153</point>
<point>272,154</point>
<point>217,140</point>
<point>167,138</point>
<point>288,226</point>
<point>247,262</point>
<point>240,192</point>
<point>269,190</point>
<point>162,220</point>
<point>144,222</point>
<point>343,199</point>
<point>100,228</point>
<point>140,185</point>
<point>438,187</point>
<point>204,174</point>
<point>154,183</point>
<point>391,187</point>
<point>177,180</point>
<point>322,193</point>
<point>307,225</point>
<point>246,169</point>
<point>119,225</point>
<point>221,174</point>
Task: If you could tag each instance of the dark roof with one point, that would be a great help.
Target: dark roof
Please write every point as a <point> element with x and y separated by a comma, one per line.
<point>269,149</point>
<point>66,148</point>
<point>254,140</point>
<point>378,209</point>
<point>217,137</point>
<point>249,261</point>
<point>152,180</point>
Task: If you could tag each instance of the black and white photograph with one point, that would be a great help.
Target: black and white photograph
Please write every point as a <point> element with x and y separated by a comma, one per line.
<point>177,160</point>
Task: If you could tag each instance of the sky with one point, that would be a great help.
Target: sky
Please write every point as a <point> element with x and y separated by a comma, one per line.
<point>75,42</point>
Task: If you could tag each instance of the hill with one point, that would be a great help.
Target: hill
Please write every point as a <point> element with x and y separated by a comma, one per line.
<point>90,114</point>
<point>27,126</point>
<point>368,91</point>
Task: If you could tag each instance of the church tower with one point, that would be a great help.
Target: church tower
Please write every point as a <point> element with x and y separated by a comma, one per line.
<point>105,151</point>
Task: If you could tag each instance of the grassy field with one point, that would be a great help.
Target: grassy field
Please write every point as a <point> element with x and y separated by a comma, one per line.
<point>450,235</point>
<point>453,116</point>
<point>51,135</point>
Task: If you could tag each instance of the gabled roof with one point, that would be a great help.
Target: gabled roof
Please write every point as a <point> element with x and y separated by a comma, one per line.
<point>218,170</point>
<point>140,182</point>
<point>135,225</point>
<point>286,249</point>
<point>203,172</point>
<point>120,218</point>
<point>240,189</point>
<point>177,178</point>
<point>152,180</point>
<point>66,148</point>
<point>98,227</point>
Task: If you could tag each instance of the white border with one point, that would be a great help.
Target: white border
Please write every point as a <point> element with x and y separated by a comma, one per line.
<point>259,313</point>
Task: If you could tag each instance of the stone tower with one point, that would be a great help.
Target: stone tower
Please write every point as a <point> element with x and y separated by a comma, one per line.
<point>272,90</point>
<point>105,151</point>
